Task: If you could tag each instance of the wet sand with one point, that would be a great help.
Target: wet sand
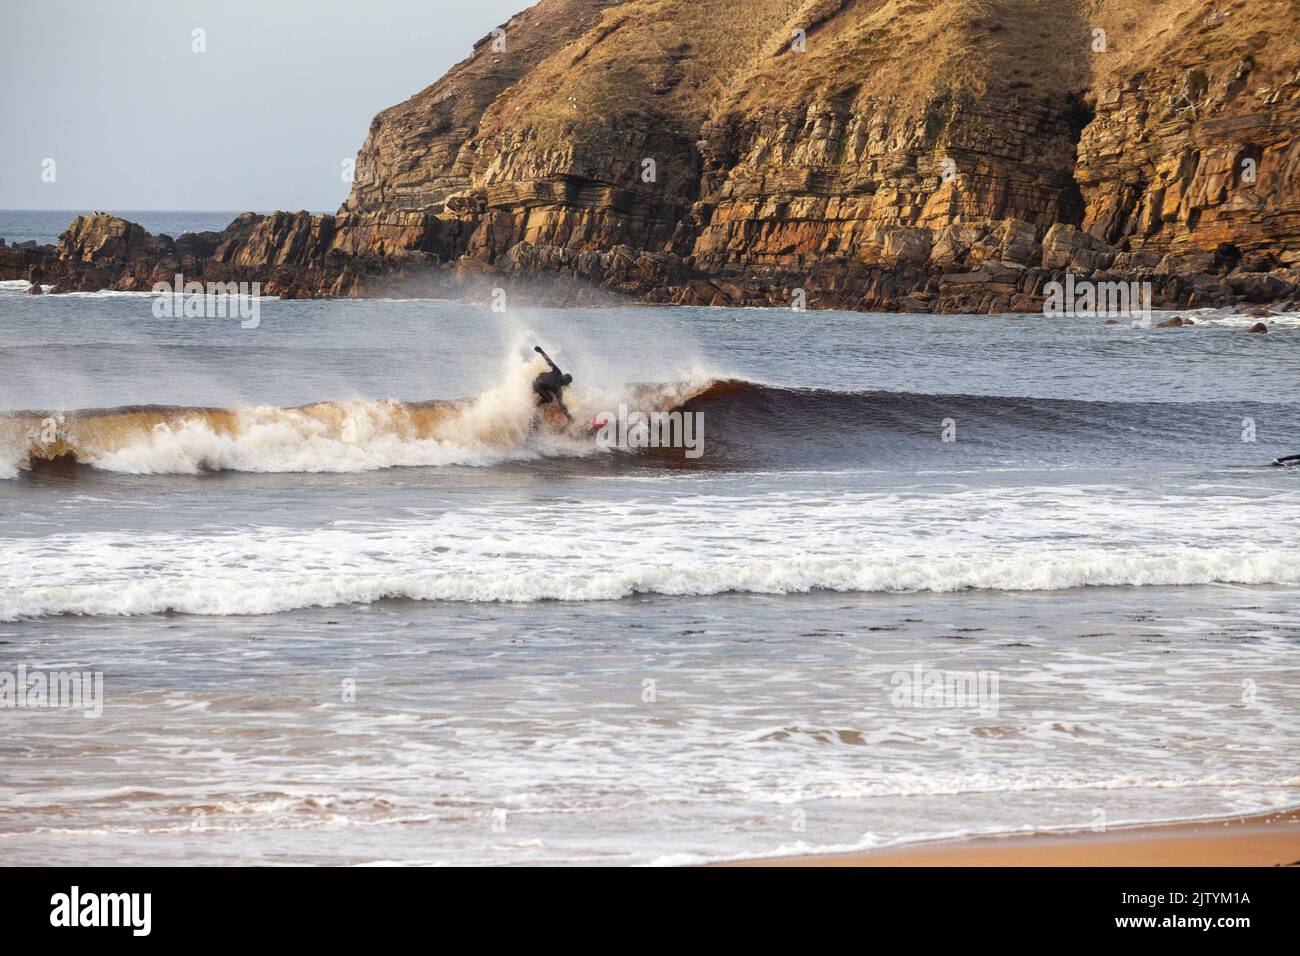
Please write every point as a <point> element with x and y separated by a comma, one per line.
<point>1271,839</point>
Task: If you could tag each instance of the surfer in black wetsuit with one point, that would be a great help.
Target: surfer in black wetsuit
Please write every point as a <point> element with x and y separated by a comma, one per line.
<point>549,386</point>
<point>1288,460</point>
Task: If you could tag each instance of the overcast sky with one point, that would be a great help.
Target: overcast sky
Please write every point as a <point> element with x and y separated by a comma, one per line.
<point>112,91</point>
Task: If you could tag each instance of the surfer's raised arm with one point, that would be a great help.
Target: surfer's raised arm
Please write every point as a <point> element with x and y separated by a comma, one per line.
<point>538,350</point>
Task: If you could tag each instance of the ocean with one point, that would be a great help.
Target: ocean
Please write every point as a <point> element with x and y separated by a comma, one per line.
<point>931,576</point>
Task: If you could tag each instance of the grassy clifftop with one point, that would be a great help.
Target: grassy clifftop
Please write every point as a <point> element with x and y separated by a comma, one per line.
<point>786,135</point>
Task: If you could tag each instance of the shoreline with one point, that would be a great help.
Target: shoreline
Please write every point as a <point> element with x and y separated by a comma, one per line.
<point>306,255</point>
<point>1262,839</point>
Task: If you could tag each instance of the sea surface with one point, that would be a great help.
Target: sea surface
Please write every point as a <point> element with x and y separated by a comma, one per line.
<point>352,603</point>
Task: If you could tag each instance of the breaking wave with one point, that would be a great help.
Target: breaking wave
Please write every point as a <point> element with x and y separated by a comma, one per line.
<point>330,436</point>
<point>248,595</point>
<point>747,424</point>
<point>999,539</point>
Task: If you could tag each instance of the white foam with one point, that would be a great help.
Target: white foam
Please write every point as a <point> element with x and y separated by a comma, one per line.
<point>238,594</point>
<point>342,436</point>
<point>1240,320</point>
<point>20,286</point>
<point>271,439</point>
<point>1026,539</point>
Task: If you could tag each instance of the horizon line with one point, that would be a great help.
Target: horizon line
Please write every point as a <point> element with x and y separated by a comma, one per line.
<point>259,212</point>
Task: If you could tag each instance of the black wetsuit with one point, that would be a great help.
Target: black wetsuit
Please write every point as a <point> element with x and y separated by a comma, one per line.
<point>549,386</point>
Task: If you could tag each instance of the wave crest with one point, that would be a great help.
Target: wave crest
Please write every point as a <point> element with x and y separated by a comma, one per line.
<point>240,594</point>
<point>330,436</point>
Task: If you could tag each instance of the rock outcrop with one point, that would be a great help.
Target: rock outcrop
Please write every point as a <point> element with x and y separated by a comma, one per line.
<point>910,155</point>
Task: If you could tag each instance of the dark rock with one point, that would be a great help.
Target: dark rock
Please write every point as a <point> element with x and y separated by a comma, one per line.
<point>1259,287</point>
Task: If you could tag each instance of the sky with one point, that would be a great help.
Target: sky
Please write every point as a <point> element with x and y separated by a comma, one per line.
<point>134,118</point>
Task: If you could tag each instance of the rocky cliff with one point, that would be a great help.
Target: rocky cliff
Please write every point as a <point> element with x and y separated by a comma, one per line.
<point>943,155</point>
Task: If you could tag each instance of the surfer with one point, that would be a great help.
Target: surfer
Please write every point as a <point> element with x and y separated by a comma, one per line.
<point>1288,460</point>
<point>549,386</point>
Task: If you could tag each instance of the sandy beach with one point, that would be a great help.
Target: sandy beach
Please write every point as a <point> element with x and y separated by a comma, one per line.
<point>1271,839</point>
